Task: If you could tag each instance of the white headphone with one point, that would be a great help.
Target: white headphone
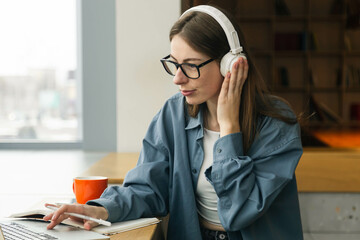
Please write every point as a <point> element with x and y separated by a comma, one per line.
<point>236,49</point>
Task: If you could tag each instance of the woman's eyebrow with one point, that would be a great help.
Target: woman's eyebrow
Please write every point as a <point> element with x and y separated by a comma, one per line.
<point>187,59</point>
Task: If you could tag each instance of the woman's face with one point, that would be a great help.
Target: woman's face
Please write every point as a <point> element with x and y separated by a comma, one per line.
<point>204,89</point>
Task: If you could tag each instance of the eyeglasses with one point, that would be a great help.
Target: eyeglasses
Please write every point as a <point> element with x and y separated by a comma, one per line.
<point>189,69</point>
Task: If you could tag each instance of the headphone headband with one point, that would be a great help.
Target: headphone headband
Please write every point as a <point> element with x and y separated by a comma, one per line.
<point>224,22</point>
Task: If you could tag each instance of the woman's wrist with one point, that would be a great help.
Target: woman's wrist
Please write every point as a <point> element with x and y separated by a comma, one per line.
<point>226,130</point>
<point>102,213</point>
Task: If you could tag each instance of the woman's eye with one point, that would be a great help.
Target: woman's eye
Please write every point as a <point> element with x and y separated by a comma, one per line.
<point>191,66</point>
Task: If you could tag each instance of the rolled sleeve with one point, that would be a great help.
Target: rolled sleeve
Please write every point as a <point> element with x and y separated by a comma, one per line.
<point>111,207</point>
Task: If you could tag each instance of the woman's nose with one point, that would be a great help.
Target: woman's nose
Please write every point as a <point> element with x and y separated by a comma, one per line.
<point>180,77</point>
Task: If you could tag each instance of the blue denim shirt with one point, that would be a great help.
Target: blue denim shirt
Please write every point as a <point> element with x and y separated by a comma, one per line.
<point>257,191</point>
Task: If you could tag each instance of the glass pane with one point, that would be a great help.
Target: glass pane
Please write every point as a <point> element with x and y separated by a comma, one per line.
<point>39,98</point>
<point>171,68</point>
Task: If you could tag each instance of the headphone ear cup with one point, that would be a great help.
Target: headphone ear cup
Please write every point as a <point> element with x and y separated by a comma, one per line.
<point>228,61</point>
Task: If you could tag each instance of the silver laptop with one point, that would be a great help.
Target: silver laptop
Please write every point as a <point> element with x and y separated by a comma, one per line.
<point>21,229</point>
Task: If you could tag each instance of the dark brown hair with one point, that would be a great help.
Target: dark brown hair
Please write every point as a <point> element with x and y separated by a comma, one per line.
<point>204,34</point>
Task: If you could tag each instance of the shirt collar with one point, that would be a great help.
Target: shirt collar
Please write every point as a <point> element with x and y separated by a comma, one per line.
<point>194,122</point>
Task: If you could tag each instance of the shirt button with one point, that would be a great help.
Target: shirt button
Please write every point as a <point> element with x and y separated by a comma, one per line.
<point>219,150</point>
<point>222,236</point>
<point>194,171</point>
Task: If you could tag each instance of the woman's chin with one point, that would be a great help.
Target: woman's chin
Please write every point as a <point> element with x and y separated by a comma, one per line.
<point>192,101</point>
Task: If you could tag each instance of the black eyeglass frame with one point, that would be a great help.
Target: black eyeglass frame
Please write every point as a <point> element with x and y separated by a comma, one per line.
<point>177,65</point>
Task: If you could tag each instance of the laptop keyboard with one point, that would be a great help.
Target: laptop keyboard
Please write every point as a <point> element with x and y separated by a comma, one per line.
<point>16,231</point>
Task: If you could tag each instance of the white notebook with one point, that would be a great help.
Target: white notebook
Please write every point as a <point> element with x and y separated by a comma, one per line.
<point>38,211</point>
<point>113,229</point>
<point>125,226</point>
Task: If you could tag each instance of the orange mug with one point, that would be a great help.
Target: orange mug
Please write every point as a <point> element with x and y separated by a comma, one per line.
<point>89,188</point>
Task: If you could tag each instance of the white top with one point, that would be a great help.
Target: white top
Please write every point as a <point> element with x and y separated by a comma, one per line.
<point>206,197</point>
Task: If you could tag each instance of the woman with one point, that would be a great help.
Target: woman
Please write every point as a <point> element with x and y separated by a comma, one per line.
<point>219,157</point>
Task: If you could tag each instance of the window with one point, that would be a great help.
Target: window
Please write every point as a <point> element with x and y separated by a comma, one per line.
<point>39,88</point>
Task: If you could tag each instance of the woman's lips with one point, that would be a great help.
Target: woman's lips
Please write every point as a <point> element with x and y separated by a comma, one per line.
<point>187,92</point>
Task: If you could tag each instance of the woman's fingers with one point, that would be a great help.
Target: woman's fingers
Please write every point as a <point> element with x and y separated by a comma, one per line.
<point>61,214</point>
<point>225,86</point>
<point>233,78</point>
<point>234,81</point>
<point>238,76</point>
<point>48,217</point>
<point>57,221</point>
<point>88,225</point>
<point>246,69</point>
<point>243,73</point>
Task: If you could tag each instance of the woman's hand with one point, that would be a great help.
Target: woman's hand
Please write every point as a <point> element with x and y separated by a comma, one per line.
<point>230,98</point>
<point>92,211</point>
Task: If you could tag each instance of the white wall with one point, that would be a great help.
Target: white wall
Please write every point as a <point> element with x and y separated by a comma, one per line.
<point>142,84</point>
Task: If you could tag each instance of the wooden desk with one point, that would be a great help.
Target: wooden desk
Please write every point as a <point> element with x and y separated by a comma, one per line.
<point>329,170</point>
<point>114,166</point>
<point>319,169</point>
<point>145,233</point>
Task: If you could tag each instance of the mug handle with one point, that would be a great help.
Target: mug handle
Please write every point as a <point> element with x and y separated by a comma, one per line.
<point>73,187</point>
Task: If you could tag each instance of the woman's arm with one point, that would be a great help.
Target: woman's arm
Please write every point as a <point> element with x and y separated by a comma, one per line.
<point>143,194</point>
<point>247,185</point>
<point>145,189</point>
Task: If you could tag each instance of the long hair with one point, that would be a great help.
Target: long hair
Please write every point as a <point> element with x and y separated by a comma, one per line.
<point>204,34</point>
